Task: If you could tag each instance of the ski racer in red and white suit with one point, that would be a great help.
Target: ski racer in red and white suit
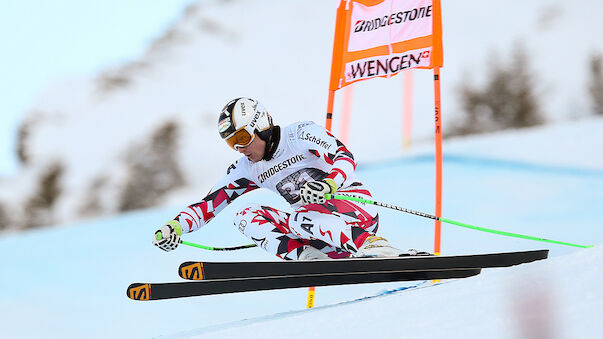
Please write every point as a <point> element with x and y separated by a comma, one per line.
<point>294,156</point>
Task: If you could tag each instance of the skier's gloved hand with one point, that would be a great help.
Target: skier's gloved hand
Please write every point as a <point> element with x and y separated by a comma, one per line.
<point>313,192</point>
<point>168,237</point>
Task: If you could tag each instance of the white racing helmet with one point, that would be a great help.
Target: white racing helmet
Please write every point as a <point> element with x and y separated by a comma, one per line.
<point>240,119</point>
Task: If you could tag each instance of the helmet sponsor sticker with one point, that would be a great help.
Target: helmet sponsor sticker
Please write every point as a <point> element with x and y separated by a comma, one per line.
<point>223,125</point>
<point>255,119</point>
<point>243,108</point>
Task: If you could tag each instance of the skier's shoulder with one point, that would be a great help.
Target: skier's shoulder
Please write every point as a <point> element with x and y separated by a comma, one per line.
<point>311,134</point>
<point>304,135</point>
<point>307,125</point>
<point>300,130</point>
<point>293,131</point>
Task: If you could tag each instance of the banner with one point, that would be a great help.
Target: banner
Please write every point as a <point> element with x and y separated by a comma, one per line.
<point>379,38</point>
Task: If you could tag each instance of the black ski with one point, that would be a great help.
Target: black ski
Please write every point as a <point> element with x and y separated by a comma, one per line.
<point>158,291</point>
<point>195,270</point>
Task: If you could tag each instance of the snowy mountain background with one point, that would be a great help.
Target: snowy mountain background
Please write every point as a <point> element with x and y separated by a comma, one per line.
<point>70,278</point>
<point>279,53</point>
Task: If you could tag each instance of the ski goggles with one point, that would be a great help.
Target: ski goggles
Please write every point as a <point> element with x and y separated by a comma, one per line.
<point>239,138</point>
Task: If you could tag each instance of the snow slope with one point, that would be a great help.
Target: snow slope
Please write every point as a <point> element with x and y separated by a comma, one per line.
<point>559,298</point>
<point>70,280</point>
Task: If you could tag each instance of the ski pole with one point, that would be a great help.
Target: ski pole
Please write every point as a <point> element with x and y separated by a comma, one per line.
<point>209,248</point>
<point>452,222</point>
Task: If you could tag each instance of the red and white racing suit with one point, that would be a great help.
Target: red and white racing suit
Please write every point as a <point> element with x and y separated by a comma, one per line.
<point>305,152</point>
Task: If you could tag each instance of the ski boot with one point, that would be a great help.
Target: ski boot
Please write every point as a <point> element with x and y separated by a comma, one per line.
<point>379,247</point>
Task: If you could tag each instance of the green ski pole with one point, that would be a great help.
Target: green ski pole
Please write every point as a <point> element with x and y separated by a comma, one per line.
<point>209,248</point>
<point>452,222</point>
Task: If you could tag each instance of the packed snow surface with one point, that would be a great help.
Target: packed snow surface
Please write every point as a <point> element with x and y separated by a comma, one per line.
<point>70,280</point>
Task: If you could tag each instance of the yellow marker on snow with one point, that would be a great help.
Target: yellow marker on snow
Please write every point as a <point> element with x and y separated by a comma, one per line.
<point>311,292</point>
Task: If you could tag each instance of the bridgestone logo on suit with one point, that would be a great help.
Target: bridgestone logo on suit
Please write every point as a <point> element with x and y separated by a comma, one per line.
<point>280,166</point>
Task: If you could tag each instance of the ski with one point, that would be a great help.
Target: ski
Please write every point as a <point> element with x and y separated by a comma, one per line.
<point>158,291</point>
<point>196,270</point>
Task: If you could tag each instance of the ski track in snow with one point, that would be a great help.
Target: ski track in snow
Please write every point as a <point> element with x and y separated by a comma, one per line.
<point>536,300</point>
<point>244,322</point>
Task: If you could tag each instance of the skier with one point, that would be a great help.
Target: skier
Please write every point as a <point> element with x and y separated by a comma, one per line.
<point>302,162</point>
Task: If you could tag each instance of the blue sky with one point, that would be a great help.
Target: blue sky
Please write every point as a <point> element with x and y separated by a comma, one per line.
<point>43,41</point>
